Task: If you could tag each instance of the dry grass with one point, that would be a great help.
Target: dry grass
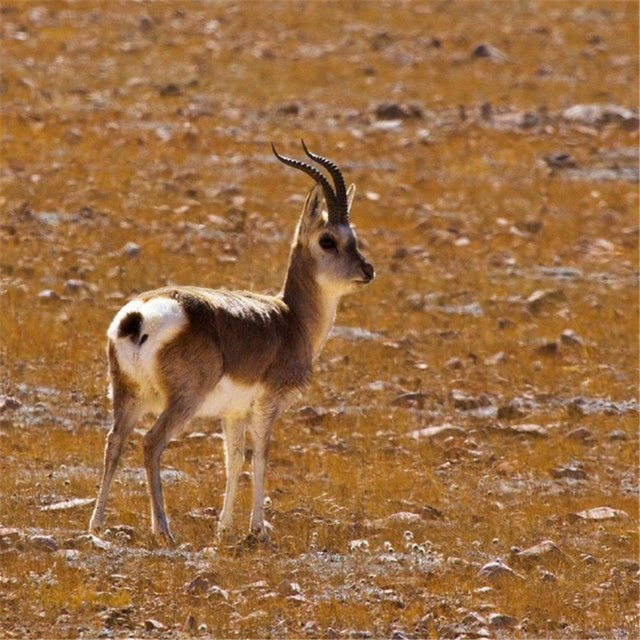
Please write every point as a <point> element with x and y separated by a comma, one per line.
<point>97,151</point>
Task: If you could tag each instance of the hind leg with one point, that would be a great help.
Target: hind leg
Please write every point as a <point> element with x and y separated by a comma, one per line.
<point>170,422</point>
<point>127,411</point>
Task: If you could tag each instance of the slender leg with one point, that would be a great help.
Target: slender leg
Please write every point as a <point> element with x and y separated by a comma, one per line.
<point>127,411</point>
<point>260,429</point>
<point>170,422</point>
<point>234,457</point>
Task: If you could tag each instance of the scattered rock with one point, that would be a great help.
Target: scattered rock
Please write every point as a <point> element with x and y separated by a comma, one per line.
<point>9,536</point>
<point>618,435</point>
<point>68,504</point>
<point>560,161</point>
<point>599,513</point>
<point>405,518</point>
<point>446,429</point>
<point>545,298</point>
<point>201,583</point>
<point>502,621</point>
<point>48,543</point>
<point>217,593</point>
<point>532,430</point>
<point>496,570</point>
<point>48,295</point>
<point>204,513</point>
<point>580,433</point>
<point>484,50</point>
<point>548,348</point>
<point>93,542</point>
<point>131,250</point>
<point>288,588</point>
<point>410,400</point>
<point>169,90</point>
<point>496,359</point>
<point>395,111</point>
<point>454,363</point>
<point>153,625</point>
<point>464,402</point>
<point>573,471</point>
<point>599,115</point>
<point>9,403</point>
<point>543,551</point>
<point>510,411</point>
<point>571,338</point>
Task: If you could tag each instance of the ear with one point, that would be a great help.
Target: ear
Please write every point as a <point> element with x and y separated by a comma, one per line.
<point>313,210</point>
<point>351,192</point>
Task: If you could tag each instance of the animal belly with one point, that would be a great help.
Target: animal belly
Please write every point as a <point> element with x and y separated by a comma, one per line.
<point>230,399</point>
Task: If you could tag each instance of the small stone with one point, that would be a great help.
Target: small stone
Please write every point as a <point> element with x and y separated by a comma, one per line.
<point>9,403</point>
<point>288,588</point>
<point>153,625</point>
<point>580,433</point>
<point>542,551</point>
<point>93,542</point>
<point>542,299</point>
<point>446,429</point>
<point>48,295</point>
<point>464,402</point>
<point>484,50</point>
<point>570,337</point>
<point>572,471</point>
<point>532,430</point>
<point>548,348</point>
<point>48,543</point>
<point>496,570</point>
<point>547,576</point>
<point>131,250</point>
<point>502,621</point>
<point>601,513</point>
<point>190,624</point>
<point>453,363</point>
<point>618,435</point>
<point>217,593</point>
<point>497,358</point>
<point>68,504</point>
<point>9,536</point>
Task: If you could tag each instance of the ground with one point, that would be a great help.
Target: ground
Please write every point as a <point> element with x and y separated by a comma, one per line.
<point>465,463</point>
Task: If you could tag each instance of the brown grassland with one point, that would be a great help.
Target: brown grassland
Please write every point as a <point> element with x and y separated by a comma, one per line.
<point>502,220</point>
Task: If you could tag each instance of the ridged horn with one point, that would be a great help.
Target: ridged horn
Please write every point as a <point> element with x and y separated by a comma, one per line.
<point>338,181</point>
<point>334,210</point>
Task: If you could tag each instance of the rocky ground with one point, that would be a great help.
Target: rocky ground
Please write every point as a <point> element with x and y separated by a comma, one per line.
<point>465,463</point>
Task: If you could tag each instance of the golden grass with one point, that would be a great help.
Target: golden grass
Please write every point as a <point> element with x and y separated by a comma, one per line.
<point>83,137</point>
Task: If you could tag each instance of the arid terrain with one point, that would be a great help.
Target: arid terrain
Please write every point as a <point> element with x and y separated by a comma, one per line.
<point>465,462</point>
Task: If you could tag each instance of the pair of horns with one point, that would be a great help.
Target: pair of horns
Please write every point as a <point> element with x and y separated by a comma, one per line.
<point>337,204</point>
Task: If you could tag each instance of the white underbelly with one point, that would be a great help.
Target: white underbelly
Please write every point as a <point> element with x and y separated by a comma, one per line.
<point>230,399</point>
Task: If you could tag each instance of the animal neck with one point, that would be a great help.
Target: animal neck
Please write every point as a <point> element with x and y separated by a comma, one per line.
<point>313,306</point>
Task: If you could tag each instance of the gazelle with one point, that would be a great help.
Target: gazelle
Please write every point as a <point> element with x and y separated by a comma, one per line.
<point>183,352</point>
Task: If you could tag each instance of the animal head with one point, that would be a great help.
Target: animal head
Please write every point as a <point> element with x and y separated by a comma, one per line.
<point>324,233</point>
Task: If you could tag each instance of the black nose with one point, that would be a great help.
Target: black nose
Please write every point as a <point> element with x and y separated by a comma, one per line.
<point>368,271</point>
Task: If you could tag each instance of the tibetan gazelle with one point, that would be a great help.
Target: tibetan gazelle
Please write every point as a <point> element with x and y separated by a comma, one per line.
<point>184,352</point>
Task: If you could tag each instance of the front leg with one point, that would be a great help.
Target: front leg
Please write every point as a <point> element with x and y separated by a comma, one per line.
<point>260,429</point>
<point>234,457</point>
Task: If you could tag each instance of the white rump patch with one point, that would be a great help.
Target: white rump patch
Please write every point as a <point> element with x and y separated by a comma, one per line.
<point>230,399</point>
<point>162,320</point>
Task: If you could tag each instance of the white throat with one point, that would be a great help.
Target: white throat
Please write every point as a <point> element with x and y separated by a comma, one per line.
<point>330,295</point>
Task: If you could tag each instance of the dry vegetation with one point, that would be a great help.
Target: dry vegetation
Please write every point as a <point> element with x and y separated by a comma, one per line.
<point>503,226</point>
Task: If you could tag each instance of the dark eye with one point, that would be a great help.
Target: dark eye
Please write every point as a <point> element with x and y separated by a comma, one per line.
<point>328,243</point>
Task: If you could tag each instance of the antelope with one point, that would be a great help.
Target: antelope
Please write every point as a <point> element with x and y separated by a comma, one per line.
<point>183,352</point>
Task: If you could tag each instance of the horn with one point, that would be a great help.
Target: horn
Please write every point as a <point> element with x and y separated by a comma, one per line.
<point>335,216</point>
<point>338,181</point>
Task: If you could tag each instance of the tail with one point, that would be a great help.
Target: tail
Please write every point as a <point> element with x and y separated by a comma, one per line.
<point>131,326</point>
